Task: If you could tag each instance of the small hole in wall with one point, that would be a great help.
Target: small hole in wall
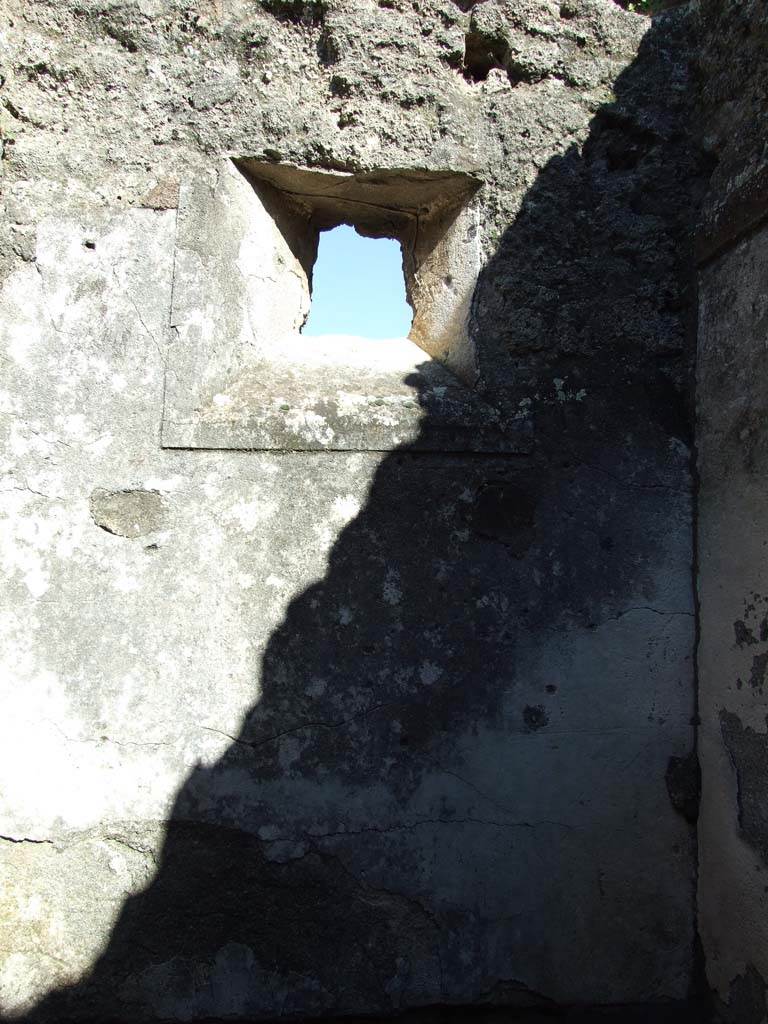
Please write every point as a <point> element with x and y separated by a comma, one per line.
<point>482,53</point>
<point>358,287</point>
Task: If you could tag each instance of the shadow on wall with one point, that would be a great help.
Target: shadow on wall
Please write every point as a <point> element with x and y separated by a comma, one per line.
<point>274,893</point>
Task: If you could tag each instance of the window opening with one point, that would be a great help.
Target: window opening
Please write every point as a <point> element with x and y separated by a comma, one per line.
<point>358,287</point>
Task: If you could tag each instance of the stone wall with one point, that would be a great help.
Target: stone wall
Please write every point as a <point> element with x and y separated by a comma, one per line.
<point>303,727</point>
<point>733,583</point>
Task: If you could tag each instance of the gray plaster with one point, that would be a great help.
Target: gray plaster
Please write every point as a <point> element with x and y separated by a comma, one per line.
<point>732,585</point>
<point>343,731</point>
<point>732,896</point>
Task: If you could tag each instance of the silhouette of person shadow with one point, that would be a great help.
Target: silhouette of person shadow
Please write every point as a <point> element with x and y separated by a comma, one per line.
<point>373,673</point>
<point>339,857</point>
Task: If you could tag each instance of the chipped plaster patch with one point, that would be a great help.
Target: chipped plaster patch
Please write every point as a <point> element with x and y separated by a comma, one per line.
<point>129,512</point>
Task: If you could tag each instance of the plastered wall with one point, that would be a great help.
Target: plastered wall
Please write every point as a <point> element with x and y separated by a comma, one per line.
<point>302,732</point>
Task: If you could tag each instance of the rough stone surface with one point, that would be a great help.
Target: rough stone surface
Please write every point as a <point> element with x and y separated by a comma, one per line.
<point>734,95</point>
<point>340,732</point>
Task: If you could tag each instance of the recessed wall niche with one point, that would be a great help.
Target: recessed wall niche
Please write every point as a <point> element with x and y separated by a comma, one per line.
<point>239,373</point>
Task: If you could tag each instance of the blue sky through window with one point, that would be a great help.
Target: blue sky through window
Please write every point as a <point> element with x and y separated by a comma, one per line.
<point>358,287</point>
